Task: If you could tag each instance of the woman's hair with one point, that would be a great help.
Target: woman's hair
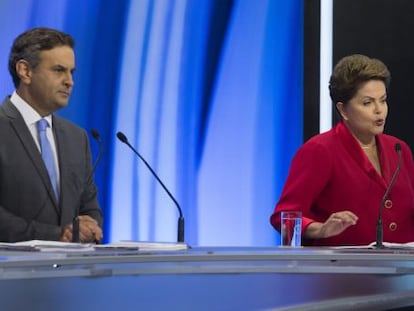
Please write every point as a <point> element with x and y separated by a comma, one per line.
<point>29,44</point>
<point>351,72</point>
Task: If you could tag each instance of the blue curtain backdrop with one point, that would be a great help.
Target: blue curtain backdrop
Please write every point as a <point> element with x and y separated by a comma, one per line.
<point>208,91</point>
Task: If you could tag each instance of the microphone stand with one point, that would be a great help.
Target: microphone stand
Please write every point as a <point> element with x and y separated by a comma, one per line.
<point>75,220</point>
<point>380,229</point>
<point>180,231</point>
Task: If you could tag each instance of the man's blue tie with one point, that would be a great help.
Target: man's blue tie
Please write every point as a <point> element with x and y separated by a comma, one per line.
<point>47,154</point>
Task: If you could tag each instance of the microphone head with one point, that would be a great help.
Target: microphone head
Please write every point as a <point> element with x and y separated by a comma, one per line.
<point>122,137</point>
<point>397,147</point>
<point>96,135</point>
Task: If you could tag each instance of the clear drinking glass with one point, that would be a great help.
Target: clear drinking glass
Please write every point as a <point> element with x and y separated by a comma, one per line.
<point>291,229</point>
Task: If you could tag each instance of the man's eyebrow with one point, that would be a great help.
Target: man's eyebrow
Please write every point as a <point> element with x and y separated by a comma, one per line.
<point>60,66</point>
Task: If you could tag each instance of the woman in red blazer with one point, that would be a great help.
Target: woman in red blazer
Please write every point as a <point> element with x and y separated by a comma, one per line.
<point>338,179</point>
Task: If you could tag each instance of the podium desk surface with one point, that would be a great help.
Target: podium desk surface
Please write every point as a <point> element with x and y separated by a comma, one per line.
<point>207,260</point>
<point>202,278</point>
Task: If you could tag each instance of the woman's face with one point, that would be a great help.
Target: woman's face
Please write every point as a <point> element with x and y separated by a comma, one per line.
<point>366,112</point>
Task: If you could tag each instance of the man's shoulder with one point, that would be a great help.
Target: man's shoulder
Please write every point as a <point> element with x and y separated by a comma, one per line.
<point>67,125</point>
<point>6,102</point>
<point>7,109</point>
<point>65,122</point>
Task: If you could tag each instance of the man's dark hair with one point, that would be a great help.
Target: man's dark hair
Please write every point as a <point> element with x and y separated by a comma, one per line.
<point>29,44</point>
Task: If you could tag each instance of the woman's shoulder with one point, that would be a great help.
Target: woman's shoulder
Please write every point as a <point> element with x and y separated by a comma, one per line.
<point>319,148</point>
<point>321,141</point>
<point>386,139</point>
<point>389,142</point>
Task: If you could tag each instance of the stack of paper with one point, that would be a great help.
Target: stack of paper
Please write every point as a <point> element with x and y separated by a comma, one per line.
<point>56,246</point>
<point>47,246</point>
<point>145,246</point>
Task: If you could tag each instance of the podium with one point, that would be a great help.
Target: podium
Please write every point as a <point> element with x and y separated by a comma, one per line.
<point>208,278</point>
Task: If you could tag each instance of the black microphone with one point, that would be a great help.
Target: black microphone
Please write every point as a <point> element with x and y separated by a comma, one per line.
<point>97,137</point>
<point>380,229</point>
<point>75,220</point>
<point>180,235</point>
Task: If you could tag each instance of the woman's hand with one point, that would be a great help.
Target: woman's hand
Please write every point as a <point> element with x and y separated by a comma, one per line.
<point>336,223</point>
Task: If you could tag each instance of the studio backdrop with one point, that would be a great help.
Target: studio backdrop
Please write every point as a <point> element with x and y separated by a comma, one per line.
<point>209,92</point>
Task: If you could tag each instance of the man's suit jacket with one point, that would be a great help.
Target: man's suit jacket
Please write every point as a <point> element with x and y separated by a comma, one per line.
<point>28,209</point>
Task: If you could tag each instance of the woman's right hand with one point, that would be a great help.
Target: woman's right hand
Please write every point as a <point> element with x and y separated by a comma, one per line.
<point>336,223</point>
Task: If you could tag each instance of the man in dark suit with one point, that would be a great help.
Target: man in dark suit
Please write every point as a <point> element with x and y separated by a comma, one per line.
<point>40,197</point>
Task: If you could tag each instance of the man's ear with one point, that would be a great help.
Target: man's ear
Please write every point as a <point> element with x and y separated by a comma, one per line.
<point>24,71</point>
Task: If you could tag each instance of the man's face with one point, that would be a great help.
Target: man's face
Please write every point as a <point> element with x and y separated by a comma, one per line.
<point>50,83</point>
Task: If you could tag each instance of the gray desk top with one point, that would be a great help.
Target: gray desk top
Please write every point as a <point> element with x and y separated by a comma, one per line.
<point>202,260</point>
<point>207,278</point>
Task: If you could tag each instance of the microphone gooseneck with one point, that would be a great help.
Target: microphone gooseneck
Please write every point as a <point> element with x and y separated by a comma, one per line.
<point>97,137</point>
<point>380,228</point>
<point>180,233</point>
<point>75,220</point>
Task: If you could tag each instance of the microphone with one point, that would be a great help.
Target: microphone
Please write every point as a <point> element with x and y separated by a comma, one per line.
<point>97,137</point>
<point>75,220</point>
<point>180,235</point>
<point>380,229</point>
